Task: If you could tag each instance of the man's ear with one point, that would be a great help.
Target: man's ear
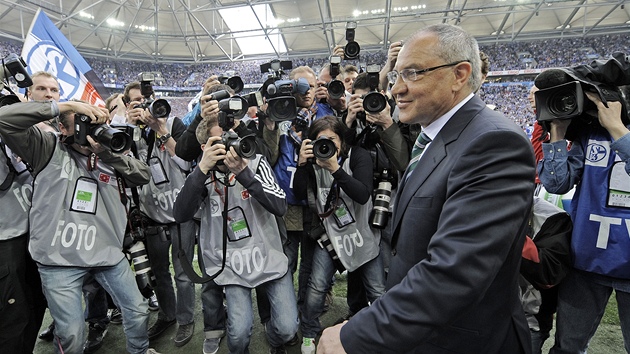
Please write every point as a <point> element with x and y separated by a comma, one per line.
<point>202,146</point>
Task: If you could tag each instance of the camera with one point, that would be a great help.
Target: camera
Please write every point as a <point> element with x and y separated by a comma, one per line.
<point>245,147</point>
<point>235,82</point>
<point>15,67</point>
<point>159,108</point>
<point>275,68</point>
<point>112,139</point>
<point>380,211</point>
<point>137,253</point>
<point>324,148</point>
<point>352,49</point>
<point>230,109</point>
<point>336,88</point>
<point>324,242</point>
<point>374,101</point>
<point>281,104</point>
<point>562,93</point>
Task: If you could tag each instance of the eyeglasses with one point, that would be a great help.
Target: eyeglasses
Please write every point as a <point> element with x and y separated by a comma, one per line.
<point>409,75</point>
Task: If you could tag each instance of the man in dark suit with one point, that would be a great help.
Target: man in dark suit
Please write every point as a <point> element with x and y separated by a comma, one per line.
<point>460,219</point>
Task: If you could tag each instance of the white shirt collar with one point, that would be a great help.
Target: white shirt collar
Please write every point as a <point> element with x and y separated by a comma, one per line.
<point>434,128</point>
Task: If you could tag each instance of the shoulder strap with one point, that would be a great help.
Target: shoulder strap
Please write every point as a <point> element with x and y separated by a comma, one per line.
<point>12,172</point>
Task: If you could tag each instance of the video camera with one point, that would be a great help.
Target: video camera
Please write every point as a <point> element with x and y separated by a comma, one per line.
<point>562,91</point>
<point>275,68</point>
<point>13,66</point>
<point>235,82</point>
<point>352,49</point>
<point>373,101</point>
<point>281,105</point>
<point>159,108</point>
<point>113,139</point>
<point>336,88</point>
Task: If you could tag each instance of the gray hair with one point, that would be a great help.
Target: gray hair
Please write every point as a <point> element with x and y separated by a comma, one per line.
<point>455,44</point>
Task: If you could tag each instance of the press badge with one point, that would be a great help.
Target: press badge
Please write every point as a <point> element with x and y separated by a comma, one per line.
<point>157,171</point>
<point>85,196</point>
<point>619,186</point>
<point>342,214</point>
<point>238,228</point>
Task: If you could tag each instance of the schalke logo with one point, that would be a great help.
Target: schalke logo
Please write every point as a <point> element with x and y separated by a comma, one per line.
<point>57,63</point>
<point>595,152</point>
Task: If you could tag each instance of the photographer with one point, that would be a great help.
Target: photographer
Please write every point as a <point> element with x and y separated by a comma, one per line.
<point>367,129</point>
<point>240,200</point>
<point>21,319</point>
<point>208,108</point>
<point>598,164</point>
<point>345,174</point>
<point>77,223</point>
<point>157,149</point>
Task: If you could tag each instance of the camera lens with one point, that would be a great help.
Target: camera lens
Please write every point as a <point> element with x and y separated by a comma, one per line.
<point>235,83</point>
<point>324,148</point>
<point>160,108</point>
<point>246,146</point>
<point>374,102</point>
<point>113,139</point>
<point>351,50</point>
<point>563,103</point>
<point>282,108</point>
<point>336,89</point>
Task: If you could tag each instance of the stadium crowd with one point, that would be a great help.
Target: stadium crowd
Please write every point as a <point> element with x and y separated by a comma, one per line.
<point>301,187</point>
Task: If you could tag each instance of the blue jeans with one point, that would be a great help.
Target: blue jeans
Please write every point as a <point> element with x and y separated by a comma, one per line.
<point>95,301</point>
<point>282,325</point>
<point>319,283</point>
<point>582,299</point>
<point>62,287</point>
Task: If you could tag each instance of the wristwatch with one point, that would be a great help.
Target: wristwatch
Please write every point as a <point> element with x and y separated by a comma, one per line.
<point>163,139</point>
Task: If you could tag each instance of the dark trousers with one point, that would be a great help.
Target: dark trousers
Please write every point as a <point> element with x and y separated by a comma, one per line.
<point>22,303</point>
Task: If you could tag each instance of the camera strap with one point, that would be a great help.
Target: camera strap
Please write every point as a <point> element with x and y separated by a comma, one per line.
<point>187,264</point>
<point>12,172</point>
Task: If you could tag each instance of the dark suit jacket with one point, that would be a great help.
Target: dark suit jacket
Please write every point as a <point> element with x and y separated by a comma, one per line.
<point>458,231</point>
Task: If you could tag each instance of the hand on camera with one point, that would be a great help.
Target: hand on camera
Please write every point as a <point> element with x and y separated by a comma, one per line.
<point>609,117</point>
<point>135,113</point>
<point>355,106</point>
<point>381,118</point>
<point>209,108</point>
<point>306,152</point>
<point>321,92</point>
<point>329,164</point>
<point>95,146</point>
<point>234,162</point>
<point>212,153</point>
<point>392,55</point>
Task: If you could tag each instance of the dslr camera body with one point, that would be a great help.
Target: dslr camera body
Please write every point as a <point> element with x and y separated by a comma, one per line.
<point>116,140</point>
<point>336,88</point>
<point>373,101</point>
<point>234,81</point>
<point>159,108</point>
<point>562,93</point>
<point>352,49</point>
<point>231,108</point>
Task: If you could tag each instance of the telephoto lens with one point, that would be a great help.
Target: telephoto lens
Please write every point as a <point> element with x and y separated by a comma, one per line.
<point>144,274</point>
<point>380,212</point>
<point>324,242</point>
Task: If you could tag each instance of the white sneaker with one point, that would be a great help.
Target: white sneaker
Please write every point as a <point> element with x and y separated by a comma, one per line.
<point>152,351</point>
<point>308,346</point>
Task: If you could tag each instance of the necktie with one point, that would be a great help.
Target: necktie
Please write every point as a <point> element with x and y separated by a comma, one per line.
<point>418,148</point>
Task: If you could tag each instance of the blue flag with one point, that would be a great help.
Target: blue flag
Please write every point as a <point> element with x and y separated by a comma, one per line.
<point>47,49</point>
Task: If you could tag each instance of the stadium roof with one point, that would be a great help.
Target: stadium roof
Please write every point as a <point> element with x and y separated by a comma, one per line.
<point>229,30</point>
